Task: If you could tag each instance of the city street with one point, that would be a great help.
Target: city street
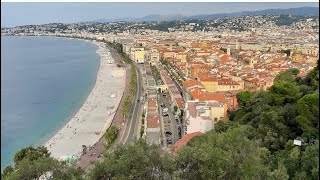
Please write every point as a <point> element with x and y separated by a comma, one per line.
<point>170,124</point>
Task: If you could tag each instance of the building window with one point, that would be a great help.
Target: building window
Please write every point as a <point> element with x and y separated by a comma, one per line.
<point>215,119</point>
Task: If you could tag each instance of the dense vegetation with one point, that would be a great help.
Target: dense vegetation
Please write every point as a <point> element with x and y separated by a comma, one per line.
<point>287,52</point>
<point>110,135</point>
<point>256,144</point>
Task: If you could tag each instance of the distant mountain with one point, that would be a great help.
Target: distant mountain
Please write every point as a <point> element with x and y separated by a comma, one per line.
<point>293,11</point>
<point>152,17</point>
<point>171,17</point>
<point>168,17</point>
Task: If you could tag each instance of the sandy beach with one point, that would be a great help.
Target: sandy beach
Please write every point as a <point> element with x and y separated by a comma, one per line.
<point>96,113</point>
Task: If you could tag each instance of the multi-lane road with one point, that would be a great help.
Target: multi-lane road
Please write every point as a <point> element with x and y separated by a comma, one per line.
<point>132,126</point>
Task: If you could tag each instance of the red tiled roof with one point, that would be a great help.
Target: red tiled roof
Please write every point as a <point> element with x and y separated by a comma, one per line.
<point>152,121</point>
<point>206,96</point>
<point>184,140</point>
<point>152,105</point>
<point>180,102</point>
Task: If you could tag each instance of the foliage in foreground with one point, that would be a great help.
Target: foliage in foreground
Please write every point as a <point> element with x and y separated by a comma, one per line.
<point>31,163</point>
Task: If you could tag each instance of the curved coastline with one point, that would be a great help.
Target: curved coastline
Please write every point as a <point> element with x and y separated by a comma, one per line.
<point>88,125</point>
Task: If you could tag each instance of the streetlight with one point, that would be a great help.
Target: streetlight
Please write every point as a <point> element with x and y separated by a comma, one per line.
<point>299,143</point>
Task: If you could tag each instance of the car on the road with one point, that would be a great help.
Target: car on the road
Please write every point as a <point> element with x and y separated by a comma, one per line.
<point>165,112</point>
<point>168,132</point>
<point>169,141</point>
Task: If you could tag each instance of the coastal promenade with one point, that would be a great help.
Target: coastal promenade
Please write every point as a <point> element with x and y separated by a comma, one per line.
<point>94,154</point>
<point>96,113</point>
<point>128,131</point>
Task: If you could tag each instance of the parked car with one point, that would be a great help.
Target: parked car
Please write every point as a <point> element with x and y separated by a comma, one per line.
<point>165,111</point>
<point>168,132</point>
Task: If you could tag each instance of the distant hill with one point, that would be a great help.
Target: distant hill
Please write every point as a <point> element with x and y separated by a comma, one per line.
<point>294,11</point>
<point>152,17</point>
<point>171,17</point>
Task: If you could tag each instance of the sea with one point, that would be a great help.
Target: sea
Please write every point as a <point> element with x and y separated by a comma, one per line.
<point>44,82</point>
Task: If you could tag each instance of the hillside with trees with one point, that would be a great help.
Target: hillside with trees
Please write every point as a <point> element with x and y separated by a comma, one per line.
<point>256,144</point>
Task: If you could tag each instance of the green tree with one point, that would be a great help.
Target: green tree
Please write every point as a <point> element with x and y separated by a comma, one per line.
<point>308,108</point>
<point>228,155</point>
<point>137,161</point>
<point>32,163</point>
<point>312,79</point>
<point>7,170</point>
<point>125,107</point>
<point>223,49</point>
<point>243,97</point>
<point>287,52</point>
<point>31,154</point>
<point>280,173</point>
<point>310,161</point>
<point>175,108</point>
<point>288,76</point>
<point>284,92</point>
<point>111,135</point>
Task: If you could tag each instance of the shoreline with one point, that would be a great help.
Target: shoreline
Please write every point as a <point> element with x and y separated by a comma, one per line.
<point>85,161</point>
<point>68,141</point>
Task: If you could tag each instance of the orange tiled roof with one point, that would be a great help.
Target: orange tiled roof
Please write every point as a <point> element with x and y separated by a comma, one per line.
<point>224,58</point>
<point>206,96</point>
<point>184,140</point>
<point>207,78</point>
<point>189,83</point>
<point>180,102</point>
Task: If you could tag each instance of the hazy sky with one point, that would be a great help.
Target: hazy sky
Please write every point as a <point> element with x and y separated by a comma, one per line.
<point>14,14</point>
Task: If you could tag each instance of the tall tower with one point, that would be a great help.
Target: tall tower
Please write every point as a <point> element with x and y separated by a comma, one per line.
<point>291,53</point>
<point>228,50</point>
<point>237,45</point>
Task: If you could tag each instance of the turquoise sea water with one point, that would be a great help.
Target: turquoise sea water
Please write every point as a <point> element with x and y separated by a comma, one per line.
<point>44,82</point>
